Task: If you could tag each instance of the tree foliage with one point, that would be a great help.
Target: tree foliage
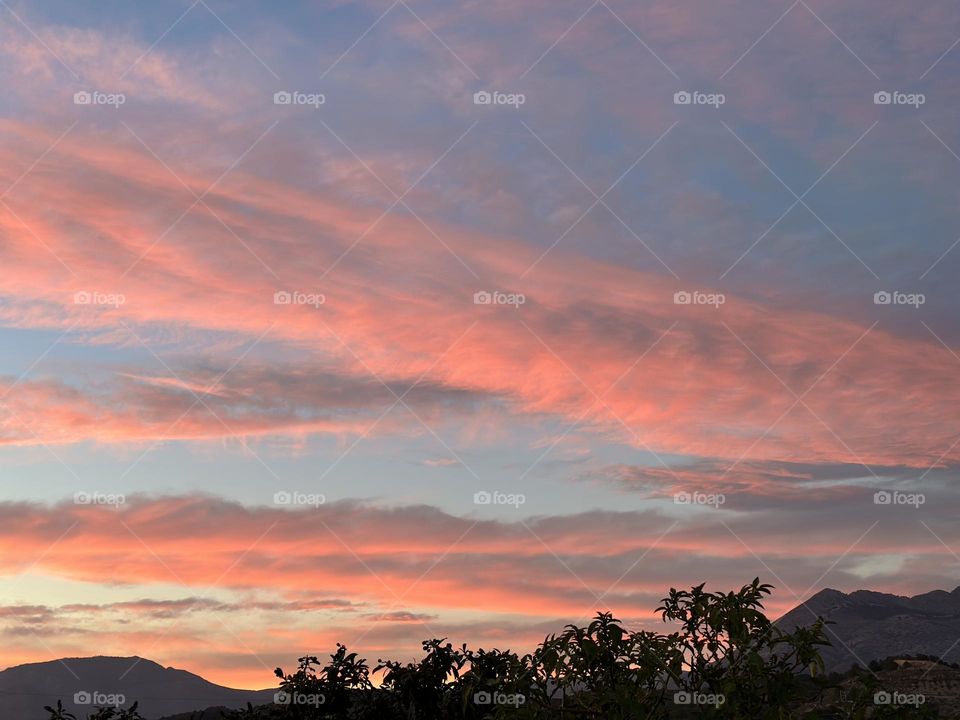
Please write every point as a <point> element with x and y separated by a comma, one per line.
<point>723,658</point>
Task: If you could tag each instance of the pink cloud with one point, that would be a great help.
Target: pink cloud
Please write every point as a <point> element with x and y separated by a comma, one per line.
<point>703,390</point>
<point>272,576</point>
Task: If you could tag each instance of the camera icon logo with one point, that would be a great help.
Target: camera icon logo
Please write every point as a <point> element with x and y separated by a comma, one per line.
<point>682,297</point>
<point>682,98</point>
<point>682,498</point>
<point>882,497</point>
<point>82,498</point>
<point>81,297</point>
<point>482,97</point>
<point>882,697</point>
<point>882,297</point>
<point>282,498</point>
<point>282,698</point>
<point>682,698</point>
<point>282,297</point>
<point>482,697</point>
<point>282,97</point>
<point>882,98</point>
<point>82,97</point>
<point>482,498</point>
<point>482,297</point>
<point>82,698</point>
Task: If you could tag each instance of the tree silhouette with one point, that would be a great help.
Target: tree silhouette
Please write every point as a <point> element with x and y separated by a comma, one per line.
<point>723,659</point>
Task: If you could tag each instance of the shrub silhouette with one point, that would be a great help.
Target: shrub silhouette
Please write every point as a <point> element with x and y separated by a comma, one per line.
<point>336,686</point>
<point>725,659</point>
<point>106,713</point>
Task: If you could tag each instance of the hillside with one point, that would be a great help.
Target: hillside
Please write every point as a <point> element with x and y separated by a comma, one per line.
<point>873,626</point>
<point>161,691</point>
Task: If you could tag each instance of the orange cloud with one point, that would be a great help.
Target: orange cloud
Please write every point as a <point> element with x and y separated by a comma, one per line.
<point>399,304</point>
<point>266,578</point>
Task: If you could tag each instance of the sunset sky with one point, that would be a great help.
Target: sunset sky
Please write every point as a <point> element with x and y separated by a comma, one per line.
<point>160,401</point>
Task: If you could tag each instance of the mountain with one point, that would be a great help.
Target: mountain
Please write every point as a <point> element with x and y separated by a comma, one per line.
<point>873,626</point>
<point>867,626</point>
<point>25,689</point>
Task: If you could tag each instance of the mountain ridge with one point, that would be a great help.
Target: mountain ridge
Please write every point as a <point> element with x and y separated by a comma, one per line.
<point>868,625</point>
<point>161,691</point>
<point>871,625</point>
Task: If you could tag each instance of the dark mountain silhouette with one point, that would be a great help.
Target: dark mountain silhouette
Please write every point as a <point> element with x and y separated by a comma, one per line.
<point>872,625</point>
<point>25,689</point>
<point>868,626</point>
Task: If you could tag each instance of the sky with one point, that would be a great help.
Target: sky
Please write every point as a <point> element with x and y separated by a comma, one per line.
<point>371,322</point>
